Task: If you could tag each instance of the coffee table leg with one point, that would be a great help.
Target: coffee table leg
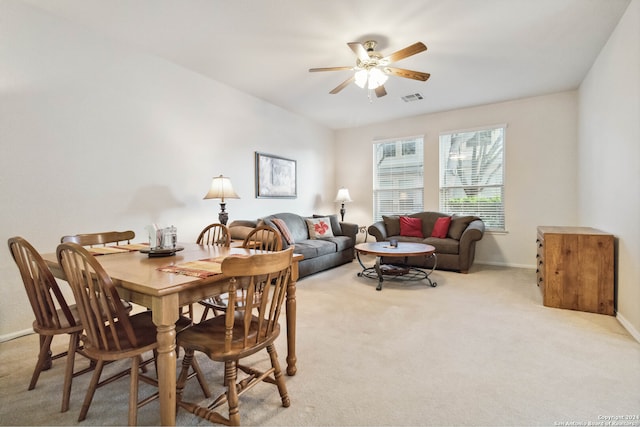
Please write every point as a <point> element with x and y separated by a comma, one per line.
<point>379,288</point>
<point>435,263</point>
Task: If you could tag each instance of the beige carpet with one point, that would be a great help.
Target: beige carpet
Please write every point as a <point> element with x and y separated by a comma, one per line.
<point>478,350</point>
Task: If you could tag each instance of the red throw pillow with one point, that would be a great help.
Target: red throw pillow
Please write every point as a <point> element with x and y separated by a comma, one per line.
<point>441,227</point>
<point>410,227</point>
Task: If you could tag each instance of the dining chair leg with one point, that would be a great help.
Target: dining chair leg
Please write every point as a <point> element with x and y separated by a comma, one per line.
<point>44,357</point>
<point>197,372</point>
<point>133,391</point>
<point>74,339</point>
<point>204,314</point>
<point>230,378</point>
<point>91,390</point>
<point>48,361</point>
<point>189,361</point>
<point>277,373</point>
<point>184,375</point>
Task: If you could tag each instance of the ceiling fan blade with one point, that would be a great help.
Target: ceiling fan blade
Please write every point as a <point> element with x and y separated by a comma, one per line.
<point>342,85</point>
<point>359,50</point>
<point>330,69</point>
<point>409,74</point>
<point>380,91</point>
<point>406,52</point>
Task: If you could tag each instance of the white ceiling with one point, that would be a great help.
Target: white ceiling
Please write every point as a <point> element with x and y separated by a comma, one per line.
<point>479,51</point>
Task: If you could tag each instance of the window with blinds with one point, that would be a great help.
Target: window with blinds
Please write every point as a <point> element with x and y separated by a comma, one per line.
<point>398,181</point>
<point>472,174</point>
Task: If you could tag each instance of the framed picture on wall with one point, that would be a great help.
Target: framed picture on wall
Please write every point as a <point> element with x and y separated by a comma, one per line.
<point>275,177</point>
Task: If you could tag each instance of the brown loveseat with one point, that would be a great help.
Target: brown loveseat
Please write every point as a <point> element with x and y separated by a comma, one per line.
<point>455,251</point>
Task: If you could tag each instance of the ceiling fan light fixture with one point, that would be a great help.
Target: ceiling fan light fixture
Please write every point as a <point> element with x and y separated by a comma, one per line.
<point>376,78</point>
<point>371,78</point>
<point>361,78</point>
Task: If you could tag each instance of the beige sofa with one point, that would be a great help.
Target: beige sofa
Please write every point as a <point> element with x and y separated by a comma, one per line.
<point>455,251</point>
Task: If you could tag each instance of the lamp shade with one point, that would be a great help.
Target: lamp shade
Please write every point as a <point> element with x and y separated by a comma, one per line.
<point>221,188</point>
<point>343,195</point>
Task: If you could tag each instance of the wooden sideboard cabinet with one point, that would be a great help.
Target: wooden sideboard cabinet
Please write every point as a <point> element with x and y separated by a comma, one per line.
<point>575,268</point>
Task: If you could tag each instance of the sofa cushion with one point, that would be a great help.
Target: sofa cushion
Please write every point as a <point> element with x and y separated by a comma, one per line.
<point>240,232</point>
<point>458,225</point>
<point>444,246</point>
<point>341,242</point>
<point>391,224</point>
<point>319,228</point>
<point>284,230</point>
<point>314,248</point>
<point>410,227</point>
<point>441,227</point>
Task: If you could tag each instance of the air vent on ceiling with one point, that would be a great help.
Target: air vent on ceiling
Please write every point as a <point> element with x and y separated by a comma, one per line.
<point>413,97</point>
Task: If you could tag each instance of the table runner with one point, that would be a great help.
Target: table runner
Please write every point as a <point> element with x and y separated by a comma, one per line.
<point>201,268</point>
<point>116,249</point>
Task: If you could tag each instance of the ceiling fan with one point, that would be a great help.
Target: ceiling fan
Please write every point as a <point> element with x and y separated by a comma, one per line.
<point>372,69</point>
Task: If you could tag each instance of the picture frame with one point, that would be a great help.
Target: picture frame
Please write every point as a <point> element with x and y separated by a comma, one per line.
<point>275,176</point>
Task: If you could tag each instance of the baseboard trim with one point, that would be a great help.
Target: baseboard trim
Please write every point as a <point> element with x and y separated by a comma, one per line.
<point>504,264</point>
<point>17,334</point>
<point>628,326</point>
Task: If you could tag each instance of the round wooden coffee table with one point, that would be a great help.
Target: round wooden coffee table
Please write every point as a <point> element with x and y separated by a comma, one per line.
<point>398,270</point>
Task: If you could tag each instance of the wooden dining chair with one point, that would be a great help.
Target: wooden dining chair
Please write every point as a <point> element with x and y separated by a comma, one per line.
<point>215,234</point>
<point>240,333</point>
<point>53,316</point>
<point>264,239</point>
<point>112,333</point>
<point>102,238</point>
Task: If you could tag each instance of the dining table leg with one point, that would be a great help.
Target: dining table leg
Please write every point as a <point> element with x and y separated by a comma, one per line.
<point>165,315</point>
<point>291,321</point>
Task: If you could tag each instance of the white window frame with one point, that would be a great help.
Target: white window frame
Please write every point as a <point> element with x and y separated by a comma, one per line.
<point>472,179</point>
<point>398,183</point>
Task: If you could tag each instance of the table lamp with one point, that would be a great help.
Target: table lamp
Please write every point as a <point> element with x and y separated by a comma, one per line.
<point>343,197</point>
<point>221,188</point>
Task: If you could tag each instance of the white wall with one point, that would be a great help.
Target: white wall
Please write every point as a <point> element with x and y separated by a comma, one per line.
<point>609,155</point>
<point>97,136</point>
<point>540,167</point>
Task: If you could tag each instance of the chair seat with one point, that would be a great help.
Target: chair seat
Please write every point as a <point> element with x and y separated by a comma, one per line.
<point>146,332</point>
<point>208,337</point>
<point>65,327</point>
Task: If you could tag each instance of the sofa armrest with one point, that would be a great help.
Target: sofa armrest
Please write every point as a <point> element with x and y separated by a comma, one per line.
<point>243,223</point>
<point>378,231</point>
<point>473,233</point>
<point>349,229</point>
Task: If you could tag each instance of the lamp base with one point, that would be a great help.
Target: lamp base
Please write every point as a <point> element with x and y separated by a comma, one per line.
<point>223,216</point>
<point>342,212</point>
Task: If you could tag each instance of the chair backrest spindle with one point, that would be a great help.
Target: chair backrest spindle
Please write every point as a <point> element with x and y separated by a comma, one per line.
<point>91,239</point>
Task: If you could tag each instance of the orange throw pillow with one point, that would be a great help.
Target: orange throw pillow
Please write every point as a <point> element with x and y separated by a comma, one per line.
<point>441,227</point>
<point>410,227</point>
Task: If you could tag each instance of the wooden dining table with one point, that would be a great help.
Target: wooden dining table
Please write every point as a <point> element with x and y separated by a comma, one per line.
<point>139,279</point>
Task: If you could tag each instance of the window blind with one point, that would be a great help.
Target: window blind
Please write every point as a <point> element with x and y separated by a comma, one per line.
<point>398,181</point>
<point>472,174</point>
